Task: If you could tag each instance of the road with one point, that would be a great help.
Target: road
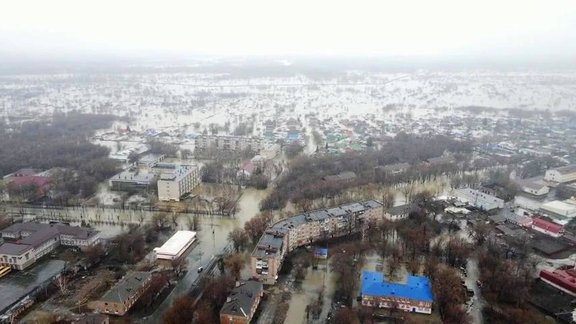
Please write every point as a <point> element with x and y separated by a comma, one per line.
<point>473,275</point>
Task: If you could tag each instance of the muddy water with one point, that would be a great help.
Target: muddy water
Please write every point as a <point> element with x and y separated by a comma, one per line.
<point>313,283</point>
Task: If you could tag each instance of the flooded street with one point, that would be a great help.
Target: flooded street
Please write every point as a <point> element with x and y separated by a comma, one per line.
<point>212,238</point>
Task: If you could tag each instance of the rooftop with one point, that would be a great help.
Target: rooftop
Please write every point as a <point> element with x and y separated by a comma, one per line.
<point>242,298</point>
<point>566,169</point>
<point>176,243</point>
<point>416,288</point>
<point>126,287</point>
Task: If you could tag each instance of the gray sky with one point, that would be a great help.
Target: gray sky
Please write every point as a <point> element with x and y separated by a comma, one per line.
<point>387,27</point>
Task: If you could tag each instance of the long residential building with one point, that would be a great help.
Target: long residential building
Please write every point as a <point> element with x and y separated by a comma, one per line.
<point>562,174</point>
<point>228,143</point>
<point>479,199</point>
<point>303,229</point>
<point>175,183</point>
<point>27,242</point>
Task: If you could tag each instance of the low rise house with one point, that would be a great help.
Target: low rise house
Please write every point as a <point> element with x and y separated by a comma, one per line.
<point>414,296</point>
<point>242,303</point>
<point>123,295</point>
<point>534,188</point>
<point>175,248</point>
<point>562,174</point>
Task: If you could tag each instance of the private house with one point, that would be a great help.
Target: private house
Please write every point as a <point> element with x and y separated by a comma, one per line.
<point>414,296</point>
<point>123,295</point>
<point>242,303</point>
<point>178,182</point>
<point>28,242</point>
<point>562,174</point>
<point>288,234</point>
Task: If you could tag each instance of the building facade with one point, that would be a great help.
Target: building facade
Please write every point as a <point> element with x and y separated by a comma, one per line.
<point>180,181</point>
<point>561,175</point>
<point>303,229</point>
<point>228,143</point>
<point>479,199</point>
<point>123,295</point>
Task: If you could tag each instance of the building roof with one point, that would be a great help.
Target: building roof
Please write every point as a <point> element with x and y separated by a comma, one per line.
<point>546,225</point>
<point>29,180</point>
<point>242,299</point>
<point>342,176</point>
<point>14,249</point>
<point>177,173</point>
<point>416,288</point>
<point>126,287</point>
<point>400,210</point>
<point>566,169</point>
<point>134,177</point>
<point>559,207</point>
<point>178,242</point>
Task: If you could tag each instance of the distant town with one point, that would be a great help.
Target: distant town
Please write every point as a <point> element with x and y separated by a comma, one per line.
<point>161,196</point>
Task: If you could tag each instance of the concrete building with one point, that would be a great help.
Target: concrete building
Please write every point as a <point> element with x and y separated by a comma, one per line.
<point>347,176</point>
<point>175,248</point>
<point>122,296</point>
<point>398,212</point>
<point>228,143</point>
<point>242,303</point>
<point>414,296</point>
<point>148,161</point>
<point>303,229</point>
<point>560,211</point>
<point>561,175</point>
<point>27,242</point>
<point>132,180</point>
<point>180,181</point>
<point>479,199</point>
<point>534,188</point>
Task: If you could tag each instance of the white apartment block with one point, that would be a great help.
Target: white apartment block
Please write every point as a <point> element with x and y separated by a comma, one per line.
<point>561,175</point>
<point>479,199</point>
<point>178,182</point>
<point>228,143</point>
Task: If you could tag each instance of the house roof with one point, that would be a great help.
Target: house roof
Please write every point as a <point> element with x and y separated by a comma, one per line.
<point>566,169</point>
<point>546,225</point>
<point>417,287</point>
<point>29,180</point>
<point>242,299</point>
<point>126,287</point>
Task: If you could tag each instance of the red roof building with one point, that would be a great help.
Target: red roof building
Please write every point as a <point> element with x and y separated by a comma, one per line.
<point>563,278</point>
<point>18,184</point>
<point>547,227</point>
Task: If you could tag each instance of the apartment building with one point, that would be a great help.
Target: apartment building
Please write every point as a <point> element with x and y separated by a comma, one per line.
<point>228,143</point>
<point>307,228</point>
<point>242,303</point>
<point>177,182</point>
<point>28,242</point>
<point>122,296</point>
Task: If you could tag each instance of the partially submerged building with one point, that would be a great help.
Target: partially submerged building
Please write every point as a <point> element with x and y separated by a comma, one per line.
<point>175,248</point>
<point>413,296</point>
<point>307,228</point>
<point>177,182</point>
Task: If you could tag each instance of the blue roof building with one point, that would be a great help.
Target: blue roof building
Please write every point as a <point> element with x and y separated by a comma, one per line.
<point>413,296</point>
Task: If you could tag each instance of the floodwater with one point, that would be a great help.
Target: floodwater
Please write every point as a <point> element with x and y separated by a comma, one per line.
<point>313,283</point>
<point>212,238</point>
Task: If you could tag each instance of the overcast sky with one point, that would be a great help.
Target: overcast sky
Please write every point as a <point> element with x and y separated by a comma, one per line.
<point>384,27</point>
